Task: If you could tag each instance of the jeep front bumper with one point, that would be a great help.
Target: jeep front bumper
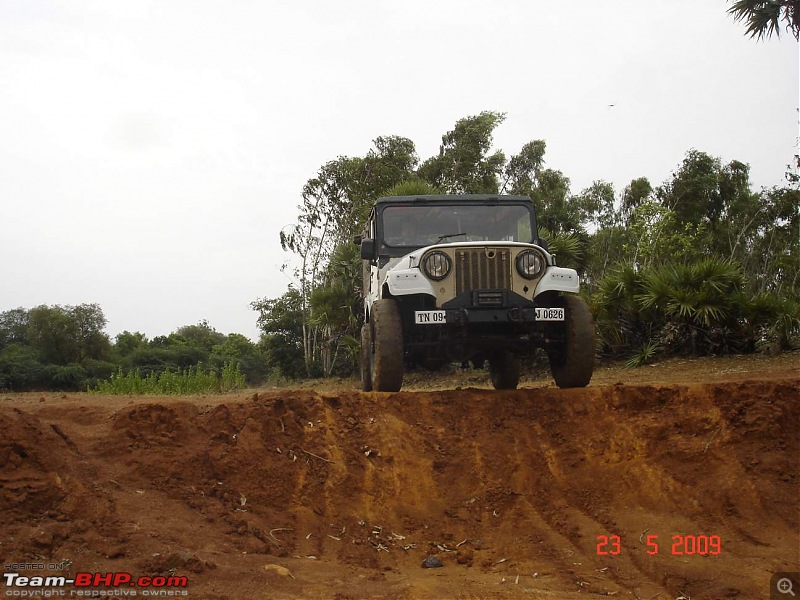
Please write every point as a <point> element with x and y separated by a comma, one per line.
<point>488,306</point>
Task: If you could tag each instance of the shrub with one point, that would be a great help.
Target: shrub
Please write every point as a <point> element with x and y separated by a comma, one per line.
<point>692,308</point>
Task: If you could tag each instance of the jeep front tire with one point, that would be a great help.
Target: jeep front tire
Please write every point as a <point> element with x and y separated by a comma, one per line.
<point>366,351</point>
<point>572,361</point>
<point>386,358</point>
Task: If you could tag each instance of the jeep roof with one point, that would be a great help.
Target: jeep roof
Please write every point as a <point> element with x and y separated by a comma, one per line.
<point>453,197</point>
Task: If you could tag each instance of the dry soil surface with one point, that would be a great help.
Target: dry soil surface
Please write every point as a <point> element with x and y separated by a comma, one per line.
<point>331,493</point>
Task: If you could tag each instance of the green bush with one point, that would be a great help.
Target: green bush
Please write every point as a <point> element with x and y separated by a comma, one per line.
<point>692,308</point>
<point>68,378</point>
<point>20,369</point>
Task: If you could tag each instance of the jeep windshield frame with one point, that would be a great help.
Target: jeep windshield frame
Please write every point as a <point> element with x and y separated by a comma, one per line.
<point>406,223</point>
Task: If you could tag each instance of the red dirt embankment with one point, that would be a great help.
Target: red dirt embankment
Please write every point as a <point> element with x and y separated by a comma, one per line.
<point>350,491</point>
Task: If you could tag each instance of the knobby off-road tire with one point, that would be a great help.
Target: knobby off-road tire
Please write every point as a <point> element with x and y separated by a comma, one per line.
<point>366,351</point>
<point>386,359</point>
<point>572,362</point>
<point>504,371</point>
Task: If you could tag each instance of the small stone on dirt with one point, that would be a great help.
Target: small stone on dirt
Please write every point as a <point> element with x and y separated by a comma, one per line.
<point>432,562</point>
<point>283,571</point>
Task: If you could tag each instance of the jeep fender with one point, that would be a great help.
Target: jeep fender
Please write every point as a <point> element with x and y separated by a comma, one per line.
<point>558,279</point>
<point>403,282</point>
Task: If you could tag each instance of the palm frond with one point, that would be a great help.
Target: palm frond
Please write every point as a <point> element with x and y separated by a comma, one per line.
<point>645,354</point>
<point>566,246</point>
<point>763,16</point>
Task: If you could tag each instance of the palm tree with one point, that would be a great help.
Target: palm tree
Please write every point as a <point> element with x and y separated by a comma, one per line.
<point>763,16</point>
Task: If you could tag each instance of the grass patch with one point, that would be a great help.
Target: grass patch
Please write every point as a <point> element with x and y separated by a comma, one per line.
<point>194,380</point>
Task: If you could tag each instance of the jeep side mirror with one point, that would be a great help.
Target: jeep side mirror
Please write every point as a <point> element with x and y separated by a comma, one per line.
<point>367,249</point>
<point>357,240</point>
<point>543,243</point>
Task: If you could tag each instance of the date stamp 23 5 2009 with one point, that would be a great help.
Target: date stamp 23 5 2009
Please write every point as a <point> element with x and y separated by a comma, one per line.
<point>679,545</point>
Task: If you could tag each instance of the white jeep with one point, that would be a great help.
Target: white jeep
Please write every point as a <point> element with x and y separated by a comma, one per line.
<point>467,278</point>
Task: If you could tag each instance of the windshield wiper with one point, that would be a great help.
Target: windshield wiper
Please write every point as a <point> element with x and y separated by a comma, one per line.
<point>449,235</point>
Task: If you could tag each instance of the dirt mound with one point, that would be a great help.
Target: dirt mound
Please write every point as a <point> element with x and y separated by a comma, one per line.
<point>295,494</point>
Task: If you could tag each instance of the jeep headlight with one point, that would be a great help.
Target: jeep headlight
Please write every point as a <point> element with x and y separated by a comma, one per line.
<point>530,264</point>
<point>436,265</point>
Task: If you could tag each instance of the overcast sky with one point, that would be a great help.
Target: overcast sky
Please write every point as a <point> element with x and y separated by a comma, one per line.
<point>150,151</point>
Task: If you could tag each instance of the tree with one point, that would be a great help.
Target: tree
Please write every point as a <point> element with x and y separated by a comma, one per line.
<point>281,324</point>
<point>89,323</point>
<point>464,165</point>
<point>126,343</point>
<point>52,347</point>
<point>53,333</point>
<point>392,160</point>
<point>335,205</point>
<point>708,207</point>
<point>634,194</point>
<point>201,335</point>
<point>20,368</point>
<point>68,334</point>
<point>157,357</point>
<point>239,350</point>
<point>654,236</point>
<point>772,245</point>
<point>763,17</point>
<point>596,205</point>
<point>554,209</point>
<point>523,169</point>
<point>693,193</point>
<point>13,326</point>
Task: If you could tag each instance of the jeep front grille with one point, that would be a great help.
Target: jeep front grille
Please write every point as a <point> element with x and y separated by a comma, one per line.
<point>482,269</point>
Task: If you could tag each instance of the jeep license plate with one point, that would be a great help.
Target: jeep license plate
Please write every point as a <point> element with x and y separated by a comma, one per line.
<point>549,314</point>
<point>429,317</point>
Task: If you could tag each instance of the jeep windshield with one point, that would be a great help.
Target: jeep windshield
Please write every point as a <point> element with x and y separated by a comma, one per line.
<point>416,226</point>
